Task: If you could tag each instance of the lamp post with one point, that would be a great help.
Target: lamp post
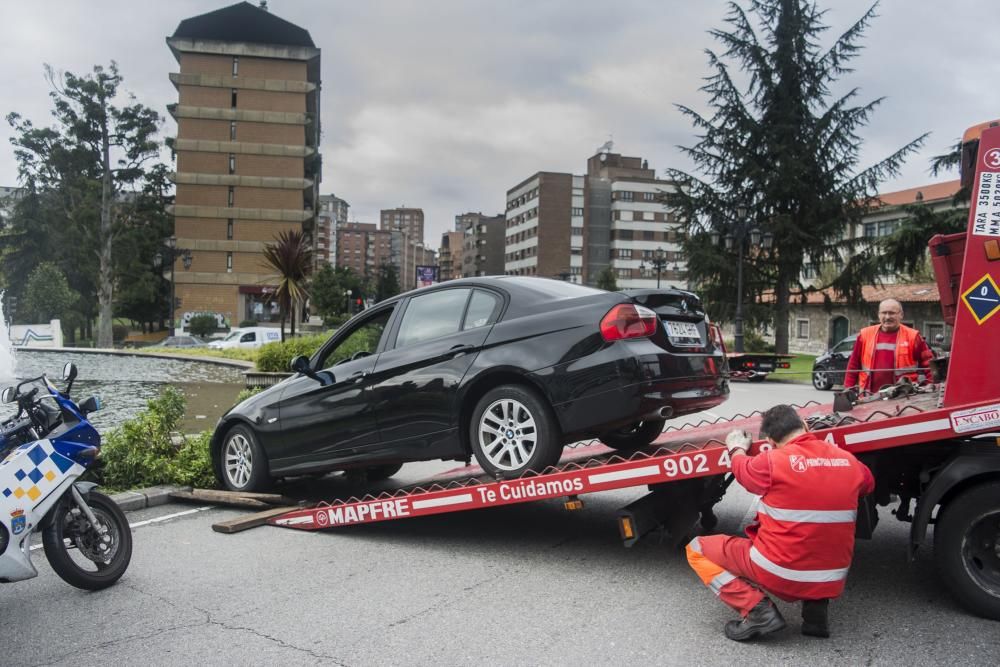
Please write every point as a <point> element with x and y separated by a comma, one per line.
<point>170,256</point>
<point>659,262</point>
<point>742,232</point>
<point>347,301</point>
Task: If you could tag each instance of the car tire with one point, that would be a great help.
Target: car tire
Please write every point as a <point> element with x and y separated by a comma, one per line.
<point>965,538</point>
<point>636,436</point>
<point>822,380</point>
<point>379,473</point>
<point>759,377</point>
<point>530,438</point>
<point>242,461</point>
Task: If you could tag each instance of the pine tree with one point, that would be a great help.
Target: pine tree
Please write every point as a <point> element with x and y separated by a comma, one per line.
<point>778,148</point>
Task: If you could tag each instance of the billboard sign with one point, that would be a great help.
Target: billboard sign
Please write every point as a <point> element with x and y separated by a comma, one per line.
<point>427,276</point>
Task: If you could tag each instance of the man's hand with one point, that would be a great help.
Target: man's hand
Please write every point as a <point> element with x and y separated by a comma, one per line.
<point>738,441</point>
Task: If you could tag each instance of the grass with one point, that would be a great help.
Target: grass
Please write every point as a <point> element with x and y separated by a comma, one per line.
<point>800,372</point>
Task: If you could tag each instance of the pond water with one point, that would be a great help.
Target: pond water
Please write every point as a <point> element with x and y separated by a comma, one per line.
<point>125,383</point>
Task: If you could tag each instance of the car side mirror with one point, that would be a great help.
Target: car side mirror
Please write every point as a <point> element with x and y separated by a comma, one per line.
<point>300,364</point>
<point>8,395</point>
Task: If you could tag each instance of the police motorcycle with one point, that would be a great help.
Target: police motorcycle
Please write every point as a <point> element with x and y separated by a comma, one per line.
<point>44,449</point>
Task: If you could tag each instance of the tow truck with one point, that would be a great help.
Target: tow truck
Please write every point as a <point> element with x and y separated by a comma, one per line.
<point>934,449</point>
<point>755,366</point>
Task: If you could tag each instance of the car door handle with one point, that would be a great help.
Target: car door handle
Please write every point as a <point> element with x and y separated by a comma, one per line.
<point>460,349</point>
<point>358,376</point>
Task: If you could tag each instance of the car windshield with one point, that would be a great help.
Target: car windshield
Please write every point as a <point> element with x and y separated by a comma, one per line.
<point>234,335</point>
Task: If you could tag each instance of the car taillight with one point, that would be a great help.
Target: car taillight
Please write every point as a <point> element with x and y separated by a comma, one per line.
<point>626,320</point>
<point>715,333</point>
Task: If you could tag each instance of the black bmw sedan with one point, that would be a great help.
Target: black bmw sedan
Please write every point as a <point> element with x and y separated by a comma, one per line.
<point>504,369</point>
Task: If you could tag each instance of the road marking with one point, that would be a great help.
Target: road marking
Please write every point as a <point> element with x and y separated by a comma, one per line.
<point>140,524</point>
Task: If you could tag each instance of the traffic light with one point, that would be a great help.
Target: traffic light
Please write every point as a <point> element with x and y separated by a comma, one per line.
<point>357,305</point>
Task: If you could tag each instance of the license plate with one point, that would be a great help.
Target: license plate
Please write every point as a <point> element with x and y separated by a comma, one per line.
<point>684,330</point>
<point>766,367</point>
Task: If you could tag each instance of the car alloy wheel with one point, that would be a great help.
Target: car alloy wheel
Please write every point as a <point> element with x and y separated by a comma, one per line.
<point>821,380</point>
<point>507,434</point>
<point>238,461</point>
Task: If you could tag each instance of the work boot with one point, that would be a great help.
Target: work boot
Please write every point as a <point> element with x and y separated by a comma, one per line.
<point>814,618</point>
<point>763,619</point>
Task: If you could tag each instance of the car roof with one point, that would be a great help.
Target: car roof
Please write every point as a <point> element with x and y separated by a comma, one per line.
<point>519,286</point>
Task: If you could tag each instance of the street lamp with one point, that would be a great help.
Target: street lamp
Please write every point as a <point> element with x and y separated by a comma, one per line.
<point>170,256</point>
<point>347,302</point>
<point>659,262</point>
<point>742,232</point>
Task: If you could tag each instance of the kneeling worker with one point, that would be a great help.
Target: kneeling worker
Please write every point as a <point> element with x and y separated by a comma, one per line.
<point>801,545</point>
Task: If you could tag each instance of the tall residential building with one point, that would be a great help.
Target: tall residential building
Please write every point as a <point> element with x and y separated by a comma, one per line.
<point>627,226</point>
<point>407,255</point>
<point>409,220</point>
<point>332,212</point>
<point>482,244</point>
<point>450,256</point>
<point>542,215</point>
<point>247,163</point>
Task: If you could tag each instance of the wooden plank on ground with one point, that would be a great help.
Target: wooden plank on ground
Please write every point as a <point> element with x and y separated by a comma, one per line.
<point>250,520</point>
<point>220,498</point>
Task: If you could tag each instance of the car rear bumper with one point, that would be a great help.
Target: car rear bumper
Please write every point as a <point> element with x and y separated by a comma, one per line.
<point>637,387</point>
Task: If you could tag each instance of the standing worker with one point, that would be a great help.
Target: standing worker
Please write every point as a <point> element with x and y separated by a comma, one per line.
<point>801,545</point>
<point>885,352</point>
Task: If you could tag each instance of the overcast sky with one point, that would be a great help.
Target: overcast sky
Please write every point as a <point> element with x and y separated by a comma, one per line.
<point>444,105</point>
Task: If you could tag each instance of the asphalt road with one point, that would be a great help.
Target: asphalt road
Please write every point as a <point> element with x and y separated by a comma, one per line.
<point>522,585</point>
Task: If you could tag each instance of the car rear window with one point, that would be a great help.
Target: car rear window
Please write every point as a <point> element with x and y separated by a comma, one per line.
<point>554,289</point>
<point>481,309</point>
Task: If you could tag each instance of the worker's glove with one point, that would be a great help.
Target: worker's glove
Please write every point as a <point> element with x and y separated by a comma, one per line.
<point>738,440</point>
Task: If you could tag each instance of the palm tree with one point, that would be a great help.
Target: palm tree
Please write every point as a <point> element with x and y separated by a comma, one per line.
<point>291,260</point>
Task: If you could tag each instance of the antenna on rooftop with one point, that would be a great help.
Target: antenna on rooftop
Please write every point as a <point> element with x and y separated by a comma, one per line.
<point>608,145</point>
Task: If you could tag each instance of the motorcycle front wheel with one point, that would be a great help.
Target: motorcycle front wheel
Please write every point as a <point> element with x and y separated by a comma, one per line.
<point>79,552</point>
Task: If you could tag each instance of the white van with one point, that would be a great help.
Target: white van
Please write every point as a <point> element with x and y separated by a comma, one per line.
<point>247,338</point>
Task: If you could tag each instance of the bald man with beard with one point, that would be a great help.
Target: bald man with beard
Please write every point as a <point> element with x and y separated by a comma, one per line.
<point>888,351</point>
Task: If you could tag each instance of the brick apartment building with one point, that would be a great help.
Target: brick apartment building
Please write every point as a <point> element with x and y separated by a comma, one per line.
<point>573,227</point>
<point>332,212</point>
<point>363,248</point>
<point>247,163</point>
<point>450,256</point>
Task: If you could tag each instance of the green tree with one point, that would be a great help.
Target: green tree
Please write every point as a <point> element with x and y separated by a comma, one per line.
<point>328,290</point>
<point>387,282</point>
<point>47,295</point>
<point>778,148</point>
<point>606,280</point>
<point>203,325</point>
<point>93,162</point>
<point>291,259</point>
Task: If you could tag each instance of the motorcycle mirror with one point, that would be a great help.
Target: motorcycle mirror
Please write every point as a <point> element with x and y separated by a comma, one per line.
<point>8,395</point>
<point>69,371</point>
<point>92,404</point>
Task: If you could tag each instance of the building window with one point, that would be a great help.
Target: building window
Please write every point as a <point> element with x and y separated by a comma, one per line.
<point>232,163</point>
<point>871,230</point>
<point>802,328</point>
<point>625,196</point>
<point>625,253</point>
<point>232,196</point>
<point>236,65</point>
<point>232,99</point>
<point>624,273</point>
<point>229,262</point>
<point>648,235</point>
<point>887,227</point>
<point>576,212</point>
<point>232,130</point>
<point>649,196</point>
<point>229,228</point>
<point>933,330</point>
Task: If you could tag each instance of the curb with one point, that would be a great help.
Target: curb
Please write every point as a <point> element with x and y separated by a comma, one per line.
<point>152,496</point>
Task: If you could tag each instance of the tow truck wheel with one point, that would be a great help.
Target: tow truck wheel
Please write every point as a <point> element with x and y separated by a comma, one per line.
<point>379,473</point>
<point>636,436</point>
<point>967,548</point>
<point>514,431</point>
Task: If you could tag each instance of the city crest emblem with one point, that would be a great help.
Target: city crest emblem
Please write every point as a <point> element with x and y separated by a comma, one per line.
<point>798,463</point>
<point>17,522</point>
